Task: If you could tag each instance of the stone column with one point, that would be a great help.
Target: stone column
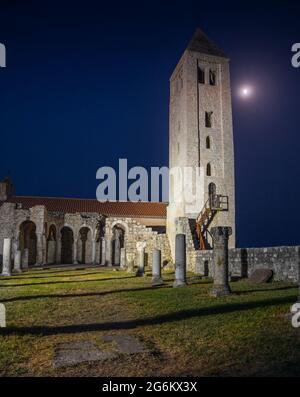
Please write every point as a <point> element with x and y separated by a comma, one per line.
<point>123,258</point>
<point>220,237</point>
<point>2,316</point>
<point>17,261</point>
<point>180,261</point>
<point>94,251</point>
<point>25,258</point>
<point>75,262</point>
<point>141,258</point>
<point>103,251</point>
<point>58,250</point>
<point>156,268</point>
<point>117,250</point>
<point>108,250</point>
<point>44,249</point>
<point>130,261</point>
<point>17,242</point>
<point>51,252</point>
<point>39,249</point>
<point>6,266</point>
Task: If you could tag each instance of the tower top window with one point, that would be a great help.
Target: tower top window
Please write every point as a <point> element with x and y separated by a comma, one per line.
<point>212,77</point>
<point>201,76</point>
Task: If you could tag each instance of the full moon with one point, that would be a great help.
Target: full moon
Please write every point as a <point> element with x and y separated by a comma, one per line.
<point>245,92</point>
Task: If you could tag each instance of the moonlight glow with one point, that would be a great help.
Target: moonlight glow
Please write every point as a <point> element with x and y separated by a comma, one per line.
<point>245,91</point>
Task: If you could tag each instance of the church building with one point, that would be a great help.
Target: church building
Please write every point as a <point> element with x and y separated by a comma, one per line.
<point>49,230</point>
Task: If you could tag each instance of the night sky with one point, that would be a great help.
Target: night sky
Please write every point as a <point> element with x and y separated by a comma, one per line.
<point>87,83</point>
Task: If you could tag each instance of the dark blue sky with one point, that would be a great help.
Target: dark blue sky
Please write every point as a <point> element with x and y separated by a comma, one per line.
<point>88,82</point>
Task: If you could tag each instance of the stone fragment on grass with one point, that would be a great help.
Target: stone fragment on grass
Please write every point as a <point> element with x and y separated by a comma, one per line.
<point>260,276</point>
<point>126,344</point>
<point>73,353</point>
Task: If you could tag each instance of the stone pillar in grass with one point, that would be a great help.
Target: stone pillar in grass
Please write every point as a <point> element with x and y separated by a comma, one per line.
<point>17,261</point>
<point>39,248</point>
<point>2,316</point>
<point>180,261</point>
<point>130,261</point>
<point>94,242</point>
<point>25,258</point>
<point>108,249</point>
<point>75,261</point>
<point>220,237</point>
<point>141,258</point>
<point>123,258</point>
<point>6,267</point>
<point>156,268</point>
<point>58,250</point>
<point>102,261</point>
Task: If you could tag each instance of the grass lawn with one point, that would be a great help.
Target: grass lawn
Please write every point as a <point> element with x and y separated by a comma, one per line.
<point>187,332</point>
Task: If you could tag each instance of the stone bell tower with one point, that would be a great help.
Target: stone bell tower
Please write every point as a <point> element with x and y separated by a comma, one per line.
<point>201,135</point>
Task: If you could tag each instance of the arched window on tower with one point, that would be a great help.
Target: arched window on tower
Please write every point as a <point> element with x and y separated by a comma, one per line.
<point>212,77</point>
<point>208,169</point>
<point>212,190</point>
<point>208,142</point>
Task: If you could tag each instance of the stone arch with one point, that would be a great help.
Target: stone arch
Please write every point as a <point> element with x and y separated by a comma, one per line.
<point>51,244</point>
<point>118,241</point>
<point>67,241</point>
<point>84,245</point>
<point>123,225</point>
<point>28,243</point>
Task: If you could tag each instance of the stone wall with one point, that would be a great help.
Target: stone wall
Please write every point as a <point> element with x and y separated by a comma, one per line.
<point>136,232</point>
<point>284,261</point>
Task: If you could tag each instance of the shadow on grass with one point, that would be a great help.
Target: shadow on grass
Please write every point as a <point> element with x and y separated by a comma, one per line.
<point>66,282</point>
<point>263,290</point>
<point>26,277</point>
<point>131,324</point>
<point>83,295</point>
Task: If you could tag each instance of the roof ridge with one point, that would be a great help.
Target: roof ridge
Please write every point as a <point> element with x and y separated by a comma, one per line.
<point>90,199</point>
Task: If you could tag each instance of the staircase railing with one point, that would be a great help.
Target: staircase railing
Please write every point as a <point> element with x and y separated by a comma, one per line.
<point>212,206</point>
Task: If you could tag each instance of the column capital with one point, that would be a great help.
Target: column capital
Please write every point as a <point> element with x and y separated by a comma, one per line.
<point>220,233</point>
<point>140,245</point>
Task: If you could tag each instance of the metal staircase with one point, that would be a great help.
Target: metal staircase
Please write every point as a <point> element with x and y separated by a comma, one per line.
<point>213,205</point>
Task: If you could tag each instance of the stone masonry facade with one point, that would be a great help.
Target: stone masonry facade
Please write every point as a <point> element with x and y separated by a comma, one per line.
<point>99,244</point>
<point>43,230</point>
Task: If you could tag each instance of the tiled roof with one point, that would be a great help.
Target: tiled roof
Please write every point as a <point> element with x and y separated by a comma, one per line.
<point>109,208</point>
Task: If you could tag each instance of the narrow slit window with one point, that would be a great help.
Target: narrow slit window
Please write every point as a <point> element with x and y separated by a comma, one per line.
<point>208,142</point>
<point>208,119</point>
<point>208,169</point>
